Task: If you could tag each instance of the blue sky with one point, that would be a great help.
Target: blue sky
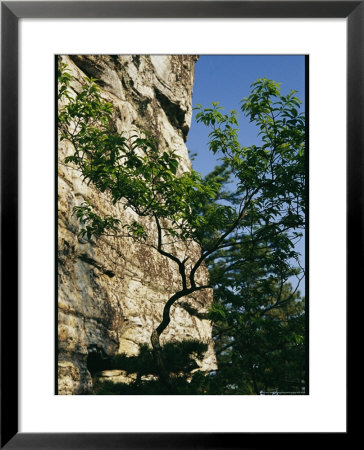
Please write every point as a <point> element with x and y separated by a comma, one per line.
<point>227,79</point>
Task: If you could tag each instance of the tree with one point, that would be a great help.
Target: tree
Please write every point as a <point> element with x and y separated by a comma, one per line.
<point>260,340</point>
<point>258,316</point>
<point>259,320</point>
<point>263,215</point>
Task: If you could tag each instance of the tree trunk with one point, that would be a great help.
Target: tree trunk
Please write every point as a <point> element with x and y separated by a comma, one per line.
<point>157,355</point>
<point>157,351</point>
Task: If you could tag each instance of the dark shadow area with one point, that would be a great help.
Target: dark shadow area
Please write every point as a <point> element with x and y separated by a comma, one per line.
<point>141,373</point>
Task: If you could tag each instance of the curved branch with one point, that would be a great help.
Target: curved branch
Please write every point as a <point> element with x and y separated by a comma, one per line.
<point>157,351</point>
<point>221,239</point>
<point>181,264</point>
<point>167,307</point>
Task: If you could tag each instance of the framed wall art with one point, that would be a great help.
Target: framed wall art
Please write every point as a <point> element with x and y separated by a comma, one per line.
<point>153,298</point>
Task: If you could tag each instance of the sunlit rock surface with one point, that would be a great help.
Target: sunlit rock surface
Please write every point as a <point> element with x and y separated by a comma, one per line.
<point>112,291</point>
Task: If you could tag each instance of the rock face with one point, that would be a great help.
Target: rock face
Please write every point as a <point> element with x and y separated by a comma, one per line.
<point>111,291</point>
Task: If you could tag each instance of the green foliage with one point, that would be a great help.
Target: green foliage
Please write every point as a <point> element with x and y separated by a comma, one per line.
<point>263,343</point>
<point>197,384</point>
<point>64,78</point>
<point>180,358</point>
<point>94,224</point>
<point>258,316</point>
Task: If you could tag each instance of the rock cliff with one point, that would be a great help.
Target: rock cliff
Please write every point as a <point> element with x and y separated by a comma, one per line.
<point>111,291</point>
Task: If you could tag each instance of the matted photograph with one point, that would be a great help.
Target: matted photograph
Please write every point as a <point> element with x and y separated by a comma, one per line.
<point>182,230</point>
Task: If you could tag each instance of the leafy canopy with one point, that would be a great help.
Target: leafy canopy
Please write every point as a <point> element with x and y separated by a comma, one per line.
<point>133,171</point>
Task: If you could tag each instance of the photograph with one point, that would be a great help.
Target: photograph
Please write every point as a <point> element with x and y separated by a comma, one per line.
<point>182,234</point>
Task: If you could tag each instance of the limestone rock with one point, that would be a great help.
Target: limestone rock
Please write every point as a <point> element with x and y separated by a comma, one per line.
<point>111,291</point>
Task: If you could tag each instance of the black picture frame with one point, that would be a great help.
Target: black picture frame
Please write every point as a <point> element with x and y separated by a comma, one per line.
<point>11,12</point>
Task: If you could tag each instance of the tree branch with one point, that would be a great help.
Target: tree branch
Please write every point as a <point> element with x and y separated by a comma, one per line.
<point>181,264</point>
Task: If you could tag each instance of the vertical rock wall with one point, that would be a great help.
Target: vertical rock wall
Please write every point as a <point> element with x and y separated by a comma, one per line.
<point>112,291</point>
